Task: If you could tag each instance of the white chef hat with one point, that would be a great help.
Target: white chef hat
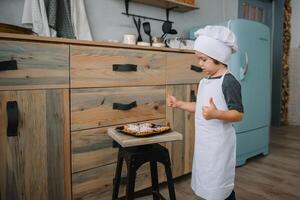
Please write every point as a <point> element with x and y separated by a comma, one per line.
<point>217,42</point>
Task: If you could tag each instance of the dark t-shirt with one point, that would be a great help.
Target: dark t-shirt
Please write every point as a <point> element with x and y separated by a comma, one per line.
<point>232,92</point>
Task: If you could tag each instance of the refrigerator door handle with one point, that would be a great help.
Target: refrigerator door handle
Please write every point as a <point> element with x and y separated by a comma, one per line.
<point>244,70</point>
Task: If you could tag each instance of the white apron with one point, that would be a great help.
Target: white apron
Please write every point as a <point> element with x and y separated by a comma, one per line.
<point>215,145</point>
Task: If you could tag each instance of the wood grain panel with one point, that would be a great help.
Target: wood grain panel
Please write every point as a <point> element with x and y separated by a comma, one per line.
<point>40,65</point>
<point>182,122</point>
<point>93,148</point>
<point>32,163</point>
<point>92,67</point>
<point>58,143</point>
<point>178,70</point>
<point>92,108</point>
<point>97,183</point>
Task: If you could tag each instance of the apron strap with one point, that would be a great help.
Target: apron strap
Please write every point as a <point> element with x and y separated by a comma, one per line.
<point>225,73</point>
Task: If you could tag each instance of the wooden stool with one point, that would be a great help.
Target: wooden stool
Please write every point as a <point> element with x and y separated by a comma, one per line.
<point>136,157</point>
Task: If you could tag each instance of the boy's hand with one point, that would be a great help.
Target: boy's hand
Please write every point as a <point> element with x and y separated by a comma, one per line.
<point>172,101</point>
<point>211,111</point>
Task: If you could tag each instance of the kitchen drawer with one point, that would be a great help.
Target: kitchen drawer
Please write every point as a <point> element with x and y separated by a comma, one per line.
<point>179,70</point>
<point>94,67</point>
<point>93,148</point>
<point>39,65</point>
<point>97,183</point>
<point>98,107</point>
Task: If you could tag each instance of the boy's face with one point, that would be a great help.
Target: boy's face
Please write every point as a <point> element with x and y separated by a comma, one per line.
<point>207,64</point>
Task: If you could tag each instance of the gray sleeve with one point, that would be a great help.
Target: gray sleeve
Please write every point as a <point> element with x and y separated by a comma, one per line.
<point>232,92</point>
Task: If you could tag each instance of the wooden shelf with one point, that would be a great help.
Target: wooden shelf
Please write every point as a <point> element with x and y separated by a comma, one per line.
<point>182,7</point>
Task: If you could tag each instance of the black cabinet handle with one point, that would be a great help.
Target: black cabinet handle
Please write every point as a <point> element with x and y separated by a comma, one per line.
<point>196,68</point>
<point>8,65</point>
<point>120,106</point>
<point>12,118</point>
<point>124,67</point>
<point>193,96</point>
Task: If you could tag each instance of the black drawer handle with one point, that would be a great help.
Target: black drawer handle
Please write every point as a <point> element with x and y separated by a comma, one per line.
<point>193,96</point>
<point>8,65</point>
<point>12,118</point>
<point>196,68</point>
<point>120,106</point>
<point>124,67</point>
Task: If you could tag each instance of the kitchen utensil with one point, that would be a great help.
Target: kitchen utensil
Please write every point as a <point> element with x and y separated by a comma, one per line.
<point>166,28</point>
<point>147,30</point>
<point>173,32</point>
<point>138,28</point>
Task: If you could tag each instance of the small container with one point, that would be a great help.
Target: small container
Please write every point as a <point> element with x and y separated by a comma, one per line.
<point>129,39</point>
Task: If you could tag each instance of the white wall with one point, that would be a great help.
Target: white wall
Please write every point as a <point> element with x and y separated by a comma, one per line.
<point>294,66</point>
<point>107,22</point>
<point>11,11</point>
<point>294,87</point>
<point>295,25</point>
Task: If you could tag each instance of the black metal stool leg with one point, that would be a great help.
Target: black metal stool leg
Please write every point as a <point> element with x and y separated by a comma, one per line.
<point>154,180</point>
<point>131,175</point>
<point>117,178</point>
<point>170,179</point>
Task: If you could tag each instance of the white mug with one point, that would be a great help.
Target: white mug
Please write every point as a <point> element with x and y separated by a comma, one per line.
<point>129,39</point>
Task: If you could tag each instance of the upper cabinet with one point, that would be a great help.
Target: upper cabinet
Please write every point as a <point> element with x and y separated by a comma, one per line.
<point>181,5</point>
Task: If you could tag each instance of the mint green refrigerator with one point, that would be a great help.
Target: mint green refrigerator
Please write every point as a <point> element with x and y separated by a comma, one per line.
<point>251,65</point>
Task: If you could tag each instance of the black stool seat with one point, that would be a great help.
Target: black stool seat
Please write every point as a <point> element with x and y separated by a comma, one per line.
<point>136,157</point>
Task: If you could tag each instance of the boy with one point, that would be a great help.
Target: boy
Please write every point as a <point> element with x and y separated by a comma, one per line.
<point>219,103</point>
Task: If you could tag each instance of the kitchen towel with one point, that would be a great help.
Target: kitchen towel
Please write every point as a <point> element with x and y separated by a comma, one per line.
<point>59,17</point>
<point>79,20</point>
<point>35,17</point>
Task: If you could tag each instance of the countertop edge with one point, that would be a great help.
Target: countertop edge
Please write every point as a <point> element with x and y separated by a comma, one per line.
<point>33,38</point>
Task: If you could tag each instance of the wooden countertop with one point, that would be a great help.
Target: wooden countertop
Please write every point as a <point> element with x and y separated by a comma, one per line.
<point>32,38</point>
<point>128,141</point>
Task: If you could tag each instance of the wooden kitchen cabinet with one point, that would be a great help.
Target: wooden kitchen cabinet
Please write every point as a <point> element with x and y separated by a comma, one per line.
<point>95,107</point>
<point>179,69</point>
<point>35,65</point>
<point>35,164</point>
<point>183,122</point>
<point>94,164</point>
<point>97,183</point>
<point>111,67</point>
<point>65,92</point>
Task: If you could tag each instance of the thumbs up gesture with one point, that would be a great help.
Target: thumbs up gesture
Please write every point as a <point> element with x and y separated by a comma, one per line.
<point>211,111</point>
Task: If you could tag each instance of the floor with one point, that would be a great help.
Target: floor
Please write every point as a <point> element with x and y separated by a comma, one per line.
<point>272,177</point>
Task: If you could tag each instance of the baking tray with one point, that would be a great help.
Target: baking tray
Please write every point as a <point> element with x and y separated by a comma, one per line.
<point>120,129</point>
